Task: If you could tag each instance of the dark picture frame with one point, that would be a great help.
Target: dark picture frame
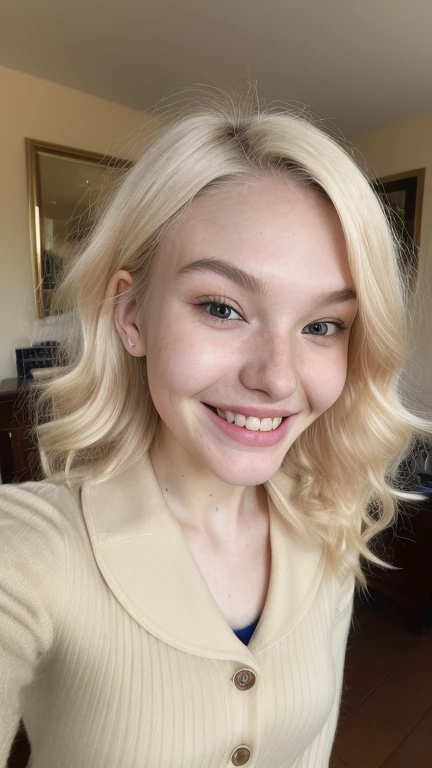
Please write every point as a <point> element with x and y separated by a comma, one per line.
<point>402,195</point>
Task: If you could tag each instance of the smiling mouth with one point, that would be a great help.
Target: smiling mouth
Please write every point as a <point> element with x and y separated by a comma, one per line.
<point>248,422</point>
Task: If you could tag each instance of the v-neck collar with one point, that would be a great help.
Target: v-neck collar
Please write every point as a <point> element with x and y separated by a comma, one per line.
<point>142,553</point>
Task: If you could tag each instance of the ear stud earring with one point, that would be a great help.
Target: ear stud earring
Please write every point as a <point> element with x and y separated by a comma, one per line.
<point>130,342</point>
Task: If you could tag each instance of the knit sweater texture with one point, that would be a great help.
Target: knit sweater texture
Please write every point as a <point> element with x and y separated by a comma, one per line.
<point>114,653</point>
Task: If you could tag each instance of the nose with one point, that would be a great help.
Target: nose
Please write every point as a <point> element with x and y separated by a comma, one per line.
<point>269,366</point>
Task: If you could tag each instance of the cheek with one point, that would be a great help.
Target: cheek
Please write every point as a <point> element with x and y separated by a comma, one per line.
<point>325,383</point>
<point>181,360</point>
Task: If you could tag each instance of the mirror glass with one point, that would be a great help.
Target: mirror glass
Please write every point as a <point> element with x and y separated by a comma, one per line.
<point>66,189</point>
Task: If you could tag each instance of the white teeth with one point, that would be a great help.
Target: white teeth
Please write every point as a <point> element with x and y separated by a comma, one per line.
<point>253,423</point>
<point>266,425</point>
<point>250,422</point>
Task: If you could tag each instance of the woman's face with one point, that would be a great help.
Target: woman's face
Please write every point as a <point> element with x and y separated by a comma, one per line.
<point>234,321</point>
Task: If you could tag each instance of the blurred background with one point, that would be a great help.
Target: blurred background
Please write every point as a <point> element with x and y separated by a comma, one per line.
<point>83,87</point>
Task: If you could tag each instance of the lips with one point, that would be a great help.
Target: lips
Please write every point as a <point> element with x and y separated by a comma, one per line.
<point>248,437</point>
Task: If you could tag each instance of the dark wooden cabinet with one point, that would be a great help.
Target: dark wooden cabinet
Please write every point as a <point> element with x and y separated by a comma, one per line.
<point>408,546</point>
<point>19,457</point>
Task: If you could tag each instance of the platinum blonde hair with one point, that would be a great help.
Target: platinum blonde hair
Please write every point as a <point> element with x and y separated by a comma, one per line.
<point>338,480</point>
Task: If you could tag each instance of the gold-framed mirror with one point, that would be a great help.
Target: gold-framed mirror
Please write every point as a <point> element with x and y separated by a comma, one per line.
<point>66,187</point>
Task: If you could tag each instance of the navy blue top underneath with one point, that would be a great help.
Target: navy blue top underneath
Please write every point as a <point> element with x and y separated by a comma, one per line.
<point>246,633</point>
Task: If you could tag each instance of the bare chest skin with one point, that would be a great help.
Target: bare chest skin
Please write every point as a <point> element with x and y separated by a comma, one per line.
<point>237,572</point>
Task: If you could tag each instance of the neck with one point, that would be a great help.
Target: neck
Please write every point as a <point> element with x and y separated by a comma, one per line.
<point>200,501</point>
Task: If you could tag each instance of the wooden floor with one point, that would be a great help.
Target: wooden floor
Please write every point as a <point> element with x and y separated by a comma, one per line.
<point>386,713</point>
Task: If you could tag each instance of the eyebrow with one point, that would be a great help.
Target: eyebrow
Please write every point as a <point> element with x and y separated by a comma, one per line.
<point>256,286</point>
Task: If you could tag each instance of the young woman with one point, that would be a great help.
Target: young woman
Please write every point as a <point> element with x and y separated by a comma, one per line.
<point>222,445</point>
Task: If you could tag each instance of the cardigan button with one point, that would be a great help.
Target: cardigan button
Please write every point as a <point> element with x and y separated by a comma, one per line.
<point>244,679</point>
<point>241,755</point>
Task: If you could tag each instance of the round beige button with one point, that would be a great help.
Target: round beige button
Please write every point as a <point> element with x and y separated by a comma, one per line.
<point>244,679</point>
<point>241,755</point>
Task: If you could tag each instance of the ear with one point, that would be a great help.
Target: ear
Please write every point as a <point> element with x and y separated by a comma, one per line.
<point>126,313</point>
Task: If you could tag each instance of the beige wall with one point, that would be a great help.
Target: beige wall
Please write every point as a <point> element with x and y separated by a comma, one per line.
<point>37,109</point>
<point>404,147</point>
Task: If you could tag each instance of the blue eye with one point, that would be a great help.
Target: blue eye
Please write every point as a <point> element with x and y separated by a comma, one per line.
<point>222,311</point>
<point>321,327</point>
<point>219,310</point>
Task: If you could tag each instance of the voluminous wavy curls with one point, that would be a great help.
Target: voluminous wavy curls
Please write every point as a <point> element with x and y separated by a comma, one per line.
<point>339,480</point>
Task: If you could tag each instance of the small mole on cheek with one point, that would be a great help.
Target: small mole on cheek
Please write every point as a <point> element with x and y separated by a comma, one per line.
<point>166,489</point>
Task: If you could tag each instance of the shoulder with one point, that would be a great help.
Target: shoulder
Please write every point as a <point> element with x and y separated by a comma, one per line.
<point>34,515</point>
<point>346,593</point>
<point>40,499</point>
<point>344,597</point>
<point>338,590</point>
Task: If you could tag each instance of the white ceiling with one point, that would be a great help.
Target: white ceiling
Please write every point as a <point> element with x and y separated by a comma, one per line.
<point>364,64</point>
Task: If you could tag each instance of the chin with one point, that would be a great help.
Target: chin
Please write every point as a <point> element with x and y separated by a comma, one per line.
<point>250,473</point>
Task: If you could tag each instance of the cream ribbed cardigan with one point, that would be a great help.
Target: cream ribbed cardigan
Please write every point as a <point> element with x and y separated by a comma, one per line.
<point>115,654</point>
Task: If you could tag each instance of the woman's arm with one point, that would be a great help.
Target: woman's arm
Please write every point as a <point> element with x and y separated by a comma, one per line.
<point>31,557</point>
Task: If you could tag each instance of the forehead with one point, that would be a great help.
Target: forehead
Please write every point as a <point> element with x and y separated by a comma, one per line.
<point>270,226</point>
